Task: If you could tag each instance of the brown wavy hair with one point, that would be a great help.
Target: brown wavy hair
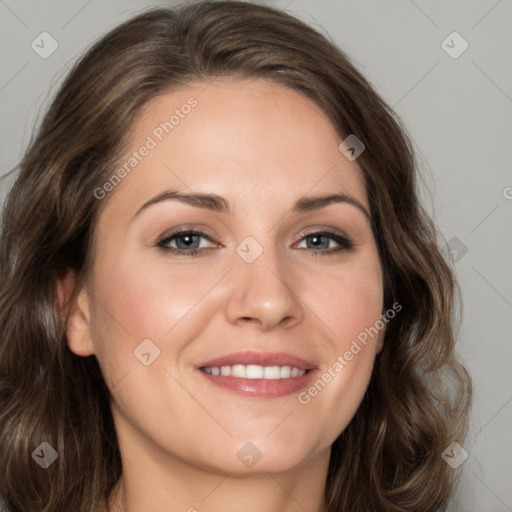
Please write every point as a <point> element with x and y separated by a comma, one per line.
<point>389,456</point>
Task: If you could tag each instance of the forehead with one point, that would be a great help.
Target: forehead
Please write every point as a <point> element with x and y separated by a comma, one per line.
<point>248,140</point>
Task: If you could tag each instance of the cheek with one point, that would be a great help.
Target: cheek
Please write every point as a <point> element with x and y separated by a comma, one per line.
<point>149,299</point>
<point>352,308</point>
<point>141,300</point>
<point>353,301</point>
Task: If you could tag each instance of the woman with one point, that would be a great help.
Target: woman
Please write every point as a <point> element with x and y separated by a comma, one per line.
<point>219,290</point>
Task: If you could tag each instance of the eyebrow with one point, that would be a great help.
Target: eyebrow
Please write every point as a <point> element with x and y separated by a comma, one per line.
<point>218,204</point>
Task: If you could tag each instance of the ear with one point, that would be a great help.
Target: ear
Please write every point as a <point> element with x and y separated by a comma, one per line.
<point>380,341</point>
<point>75,303</point>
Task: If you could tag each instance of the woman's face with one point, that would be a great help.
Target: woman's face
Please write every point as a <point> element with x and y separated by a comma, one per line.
<point>267,292</point>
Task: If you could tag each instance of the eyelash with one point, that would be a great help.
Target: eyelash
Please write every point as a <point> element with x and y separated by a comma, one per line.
<point>345,243</point>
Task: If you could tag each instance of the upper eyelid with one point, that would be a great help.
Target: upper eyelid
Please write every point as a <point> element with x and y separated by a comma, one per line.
<point>180,233</point>
<point>328,231</point>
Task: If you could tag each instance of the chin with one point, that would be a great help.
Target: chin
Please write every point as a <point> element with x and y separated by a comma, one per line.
<point>263,455</point>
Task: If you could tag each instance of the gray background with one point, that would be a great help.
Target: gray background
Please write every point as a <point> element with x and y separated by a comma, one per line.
<point>458,112</point>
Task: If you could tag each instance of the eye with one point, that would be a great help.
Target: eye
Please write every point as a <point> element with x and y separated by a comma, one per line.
<point>321,240</point>
<point>186,242</point>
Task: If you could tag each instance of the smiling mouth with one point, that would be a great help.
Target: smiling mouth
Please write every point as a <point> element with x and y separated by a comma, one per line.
<point>258,382</point>
<point>253,371</point>
<point>255,374</point>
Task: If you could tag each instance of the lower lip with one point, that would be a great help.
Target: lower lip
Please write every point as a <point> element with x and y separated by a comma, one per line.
<point>261,388</point>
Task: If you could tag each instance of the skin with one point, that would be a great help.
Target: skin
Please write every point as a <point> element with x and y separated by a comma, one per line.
<point>261,146</point>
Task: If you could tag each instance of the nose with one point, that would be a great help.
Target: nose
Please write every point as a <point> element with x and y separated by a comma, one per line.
<point>264,293</point>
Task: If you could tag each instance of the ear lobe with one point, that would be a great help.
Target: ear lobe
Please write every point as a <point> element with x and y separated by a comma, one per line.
<point>74,304</point>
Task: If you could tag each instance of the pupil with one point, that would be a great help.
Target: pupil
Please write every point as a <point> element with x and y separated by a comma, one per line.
<point>316,238</point>
<point>187,237</point>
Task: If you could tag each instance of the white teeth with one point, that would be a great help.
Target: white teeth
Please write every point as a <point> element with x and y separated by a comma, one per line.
<point>254,371</point>
<point>285,372</point>
<point>272,372</point>
<point>238,370</point>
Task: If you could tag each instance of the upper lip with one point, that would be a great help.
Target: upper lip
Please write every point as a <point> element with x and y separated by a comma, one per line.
<point>260,359</point>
